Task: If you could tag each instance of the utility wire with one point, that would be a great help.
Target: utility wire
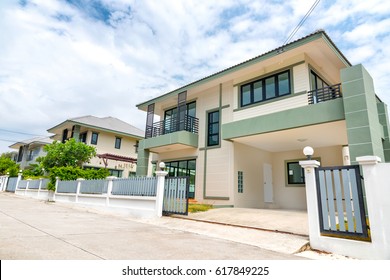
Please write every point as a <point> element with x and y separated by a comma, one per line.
<point>17,132</point>
<point>301,22</point>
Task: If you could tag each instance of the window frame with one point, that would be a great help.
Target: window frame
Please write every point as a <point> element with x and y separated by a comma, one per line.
<point>94,142</point>
<point>209,125</point>
<point>253,96</point>
<point>288,175</point>
<point>118,144</point>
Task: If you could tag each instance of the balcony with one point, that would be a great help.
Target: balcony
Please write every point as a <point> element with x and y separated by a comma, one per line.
<point>171,125</point>
<point>171,135</point>
<point>324,94</point>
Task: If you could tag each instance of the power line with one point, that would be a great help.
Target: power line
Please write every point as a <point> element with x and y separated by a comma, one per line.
<point>18,132</point>
<point>301,22</point>
<point>8,140</point>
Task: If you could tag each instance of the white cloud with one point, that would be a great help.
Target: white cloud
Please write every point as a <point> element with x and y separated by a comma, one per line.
<point>61,60</point>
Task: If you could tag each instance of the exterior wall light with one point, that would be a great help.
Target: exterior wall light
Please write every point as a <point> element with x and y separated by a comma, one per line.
<point>162,166</point>
<point>308,152</point>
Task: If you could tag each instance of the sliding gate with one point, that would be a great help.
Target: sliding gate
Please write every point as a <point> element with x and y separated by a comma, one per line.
<point>176,195</point>
<point>341,202</point>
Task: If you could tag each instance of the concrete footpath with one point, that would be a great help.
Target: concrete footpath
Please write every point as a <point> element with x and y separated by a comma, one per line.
<point>32,229</point>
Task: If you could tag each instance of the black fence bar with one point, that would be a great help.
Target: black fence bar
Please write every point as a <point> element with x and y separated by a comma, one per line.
<point>324,94</point>
<point>188,123</point>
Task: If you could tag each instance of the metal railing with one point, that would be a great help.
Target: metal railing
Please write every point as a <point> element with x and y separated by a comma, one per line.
<point>136,186</point>
<point>324,94</point>
<point>94,186</point>
<point>188,123</point>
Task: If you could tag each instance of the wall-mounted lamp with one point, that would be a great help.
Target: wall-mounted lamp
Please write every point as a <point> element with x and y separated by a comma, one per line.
<point>308,152</point>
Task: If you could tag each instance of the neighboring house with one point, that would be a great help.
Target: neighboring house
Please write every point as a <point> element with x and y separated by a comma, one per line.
<point>30,150</point>
<point>115,142</point>
<point>239,133</point>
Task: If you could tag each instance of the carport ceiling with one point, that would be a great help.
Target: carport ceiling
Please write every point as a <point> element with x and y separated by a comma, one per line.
<point>316,136</point>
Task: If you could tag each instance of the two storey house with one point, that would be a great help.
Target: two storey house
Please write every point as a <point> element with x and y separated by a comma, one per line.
<point>29,150</point>
<point>239,133</point>
<point>116,142</point>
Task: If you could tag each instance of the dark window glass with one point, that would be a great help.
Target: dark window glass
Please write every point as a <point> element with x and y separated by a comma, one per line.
<point>246,95</point>
<point>257,91</point>
<point>83,137</point>
<point>270,90</point>
<point>284,83</point>
<point>94,138</point>
<point>118,142</point>
<point>213,129</point>
<point>295,173</point>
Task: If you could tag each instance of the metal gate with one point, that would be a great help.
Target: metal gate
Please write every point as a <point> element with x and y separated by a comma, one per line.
<point>341,202</point>
<point>176,195</point>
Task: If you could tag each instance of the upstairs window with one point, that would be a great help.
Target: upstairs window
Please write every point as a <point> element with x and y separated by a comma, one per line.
<point>213,129</point>
<point>265,89</point>
<point>118,142</point>
<point>94,138</point>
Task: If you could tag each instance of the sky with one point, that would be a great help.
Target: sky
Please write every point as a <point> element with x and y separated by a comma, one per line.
<point>61,59</point>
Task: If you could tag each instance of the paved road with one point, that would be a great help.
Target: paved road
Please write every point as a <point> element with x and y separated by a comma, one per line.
<point>37,230</point>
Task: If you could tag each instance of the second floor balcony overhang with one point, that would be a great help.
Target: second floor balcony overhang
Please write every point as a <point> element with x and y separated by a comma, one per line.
<point>172,134</point>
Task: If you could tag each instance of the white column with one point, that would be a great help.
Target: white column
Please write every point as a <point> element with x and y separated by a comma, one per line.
<point>160,192</point>
<point>346,156</point>
<point>18,180</point>
<point>311,198</point>
<point>109,189</point>
<point>377,191</point>
<point>78,188</point>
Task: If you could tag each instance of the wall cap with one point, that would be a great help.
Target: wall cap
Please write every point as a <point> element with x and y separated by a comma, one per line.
<point>365,160</point>
<point>309,163</point>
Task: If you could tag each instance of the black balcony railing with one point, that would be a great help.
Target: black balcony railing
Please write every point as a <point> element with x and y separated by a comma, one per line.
<point>188,123</point>
<point>324,94</point>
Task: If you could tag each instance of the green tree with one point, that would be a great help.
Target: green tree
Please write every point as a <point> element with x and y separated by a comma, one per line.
<point>70,153</point>
<point>8,166</point>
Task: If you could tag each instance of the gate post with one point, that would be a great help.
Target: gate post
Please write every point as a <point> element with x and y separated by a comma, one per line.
<point>160,192</point>
<point>309,167</point>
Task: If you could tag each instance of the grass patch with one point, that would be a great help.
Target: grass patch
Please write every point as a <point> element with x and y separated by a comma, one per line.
<point>193,208</point>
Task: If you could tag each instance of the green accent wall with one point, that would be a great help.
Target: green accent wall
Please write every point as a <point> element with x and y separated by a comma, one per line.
<point>142,159</point>
<point>180,137</point>
<point>365,132</point>
<point>319,113</point>
<point>384,120</point>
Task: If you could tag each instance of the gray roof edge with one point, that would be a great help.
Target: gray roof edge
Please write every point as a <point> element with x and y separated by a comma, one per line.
<point>314,35</point>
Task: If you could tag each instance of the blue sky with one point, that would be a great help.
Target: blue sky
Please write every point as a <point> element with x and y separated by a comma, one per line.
<point>69,58</point>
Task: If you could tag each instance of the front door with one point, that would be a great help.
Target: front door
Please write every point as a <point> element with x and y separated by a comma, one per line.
<point>268,187</point>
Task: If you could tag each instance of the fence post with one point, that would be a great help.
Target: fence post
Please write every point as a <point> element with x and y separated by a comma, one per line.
<point>309,167</point>
<point>39,186</point>
<point>160,192</point>
<point>109,189</point>
<point>27,185</point>
<point>377,194</point>
<point>18,180</point>
<point>78,188</point>
<point>5,182</point>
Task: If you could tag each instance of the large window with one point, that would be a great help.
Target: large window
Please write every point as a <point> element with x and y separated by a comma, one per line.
<point>213,128</point>
<point>316,82</point>
<point>265,89</point>
<point>172,121</point>
<point>183,168</point>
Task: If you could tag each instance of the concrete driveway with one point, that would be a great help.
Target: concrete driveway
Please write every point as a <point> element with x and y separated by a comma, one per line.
<point>37,230</point>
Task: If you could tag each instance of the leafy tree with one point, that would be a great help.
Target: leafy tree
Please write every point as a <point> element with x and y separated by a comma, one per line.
<point>8,166</point>
<point>70,153</point>
<point>32,171</point>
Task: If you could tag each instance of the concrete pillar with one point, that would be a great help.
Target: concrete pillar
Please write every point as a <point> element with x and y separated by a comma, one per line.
<point>109,189</point>
<point>78,188</point>
<point>160,192</point>
<point>76,133</point>
<point>346,156</point>
<point>309,167</point>
<point>18,180</point>
<point>378,206</point>
<point>142,159</point>
<point>364,130</point>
